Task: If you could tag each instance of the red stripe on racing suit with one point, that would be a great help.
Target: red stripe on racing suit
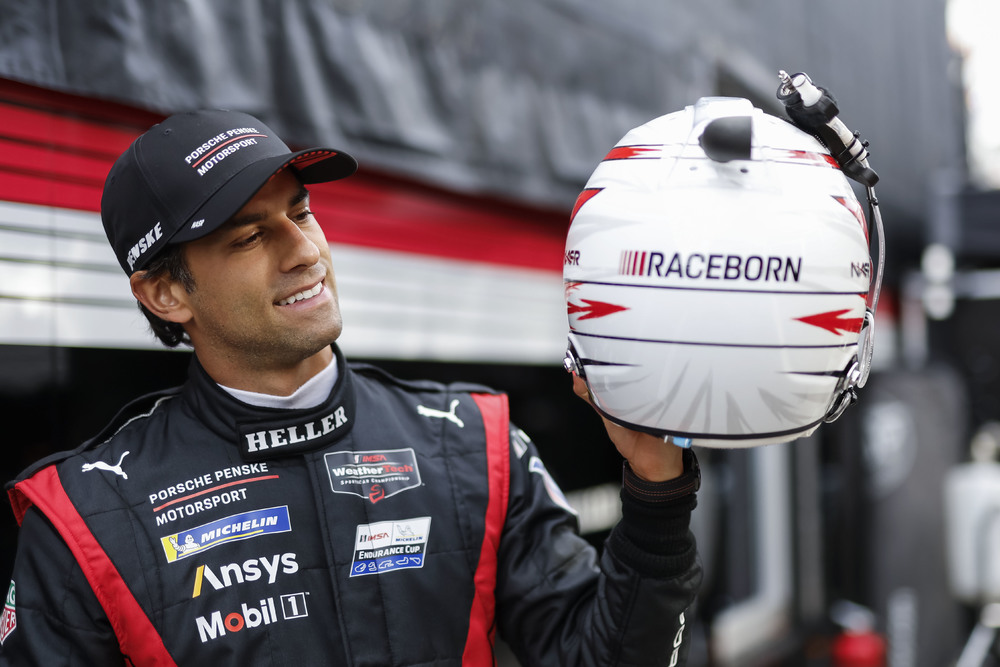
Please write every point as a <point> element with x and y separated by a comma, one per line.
<point>137,637</point>
<point>482,618</point>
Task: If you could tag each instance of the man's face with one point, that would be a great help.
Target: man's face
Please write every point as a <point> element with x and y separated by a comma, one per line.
<point>265,297</point>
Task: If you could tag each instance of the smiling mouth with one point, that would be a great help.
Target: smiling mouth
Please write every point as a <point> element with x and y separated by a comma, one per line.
<point>302,296</point>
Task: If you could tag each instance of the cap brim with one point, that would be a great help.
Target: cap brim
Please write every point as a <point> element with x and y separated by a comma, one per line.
<point>315,165</point>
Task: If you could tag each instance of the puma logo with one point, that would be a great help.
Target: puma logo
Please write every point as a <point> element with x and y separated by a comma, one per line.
<point>440,414</point>
<point>101,465</point>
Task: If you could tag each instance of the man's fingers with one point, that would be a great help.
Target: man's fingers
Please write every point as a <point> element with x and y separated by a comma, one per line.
<point>580,388</point>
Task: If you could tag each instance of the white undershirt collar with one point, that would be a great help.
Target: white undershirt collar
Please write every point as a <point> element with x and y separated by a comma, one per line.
<point>315,390</point>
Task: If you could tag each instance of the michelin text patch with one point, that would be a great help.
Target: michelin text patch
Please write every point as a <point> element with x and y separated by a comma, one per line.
<point>232,528</point>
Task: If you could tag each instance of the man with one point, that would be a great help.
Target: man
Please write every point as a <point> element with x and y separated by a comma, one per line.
<point>284,507</point>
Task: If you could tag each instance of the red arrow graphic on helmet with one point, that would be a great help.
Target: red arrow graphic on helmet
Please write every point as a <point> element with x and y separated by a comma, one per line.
<point>833,322</point>
<point>593,309</point>
<point>629,152</point>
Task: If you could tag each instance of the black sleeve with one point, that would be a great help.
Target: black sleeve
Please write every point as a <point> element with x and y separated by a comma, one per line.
<point>559,604</point>
<point>57,620</point>
<point>654,536</point>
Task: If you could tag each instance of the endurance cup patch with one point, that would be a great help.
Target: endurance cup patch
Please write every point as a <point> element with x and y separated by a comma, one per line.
<point>390,545</point>
<point>233,528</point>
<point>374,475</point>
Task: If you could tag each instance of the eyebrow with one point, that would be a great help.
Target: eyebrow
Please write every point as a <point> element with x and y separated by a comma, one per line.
<point>238,221</point>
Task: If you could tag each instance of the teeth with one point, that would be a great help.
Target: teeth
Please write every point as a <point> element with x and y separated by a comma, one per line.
<point>308,294</point>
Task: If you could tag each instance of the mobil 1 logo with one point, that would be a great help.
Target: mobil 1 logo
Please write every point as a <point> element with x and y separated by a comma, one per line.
<point>250,617</point>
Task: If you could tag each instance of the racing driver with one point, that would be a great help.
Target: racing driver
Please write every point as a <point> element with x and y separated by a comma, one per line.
<point>286,507</point>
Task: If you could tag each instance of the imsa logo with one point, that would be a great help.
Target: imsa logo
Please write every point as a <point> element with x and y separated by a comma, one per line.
<point>216,625</point>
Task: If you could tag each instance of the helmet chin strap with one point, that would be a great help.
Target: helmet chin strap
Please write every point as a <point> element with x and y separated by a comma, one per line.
<point>866,342</point>
<point>813,110</point>
<point>857,372</point>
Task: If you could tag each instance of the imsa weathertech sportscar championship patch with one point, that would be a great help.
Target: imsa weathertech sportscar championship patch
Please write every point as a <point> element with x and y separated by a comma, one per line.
<point>374,475</point>
<point>390,545</point>
<point>232,528</point>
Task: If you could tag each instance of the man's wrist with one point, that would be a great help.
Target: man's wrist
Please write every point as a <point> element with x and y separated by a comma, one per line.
<point>688,482</point>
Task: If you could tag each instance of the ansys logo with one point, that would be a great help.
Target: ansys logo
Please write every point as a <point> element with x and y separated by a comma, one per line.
<point>254,569</point>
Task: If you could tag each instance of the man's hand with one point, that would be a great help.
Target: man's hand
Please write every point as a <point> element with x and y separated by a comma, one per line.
<point>649,457</point>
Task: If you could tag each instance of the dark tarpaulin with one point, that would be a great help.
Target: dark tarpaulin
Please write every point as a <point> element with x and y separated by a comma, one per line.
<point>514,98</point>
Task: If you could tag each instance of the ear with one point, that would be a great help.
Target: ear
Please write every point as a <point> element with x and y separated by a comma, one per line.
<point>165,298</point>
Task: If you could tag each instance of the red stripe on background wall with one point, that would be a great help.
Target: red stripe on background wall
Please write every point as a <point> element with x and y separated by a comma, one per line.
<point>371,211</point>
<point>56,150</point>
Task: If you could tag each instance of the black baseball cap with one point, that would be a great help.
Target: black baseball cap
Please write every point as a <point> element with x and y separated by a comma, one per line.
<point>186,176</point>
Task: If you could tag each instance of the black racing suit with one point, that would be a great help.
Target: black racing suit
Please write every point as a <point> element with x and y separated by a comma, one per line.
<point>398,523</point>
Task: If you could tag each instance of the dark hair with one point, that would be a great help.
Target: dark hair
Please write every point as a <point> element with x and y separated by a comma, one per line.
<point>169,263</point>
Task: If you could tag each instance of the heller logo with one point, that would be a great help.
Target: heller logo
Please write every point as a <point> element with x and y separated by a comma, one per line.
<point>8,621</point>
<point>216,625</point>
<point>390,545</point>
<point>374,475</point>
<point>250,570</point>
<point>232,528</point>
<point>298,437</point>
<point>144,244</point>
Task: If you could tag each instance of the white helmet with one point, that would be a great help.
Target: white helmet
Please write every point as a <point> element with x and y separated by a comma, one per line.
<point>717,276</point>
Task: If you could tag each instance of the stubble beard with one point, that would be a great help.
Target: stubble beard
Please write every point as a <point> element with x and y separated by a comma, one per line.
<point>268,348</point>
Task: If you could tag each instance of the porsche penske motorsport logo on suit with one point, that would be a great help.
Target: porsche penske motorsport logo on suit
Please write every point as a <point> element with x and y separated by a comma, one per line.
<point>235,527</point>
<point>206,491</point>
<point>374,475</point>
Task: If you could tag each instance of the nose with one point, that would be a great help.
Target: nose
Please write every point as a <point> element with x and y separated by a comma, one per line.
<point>299,249</point>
